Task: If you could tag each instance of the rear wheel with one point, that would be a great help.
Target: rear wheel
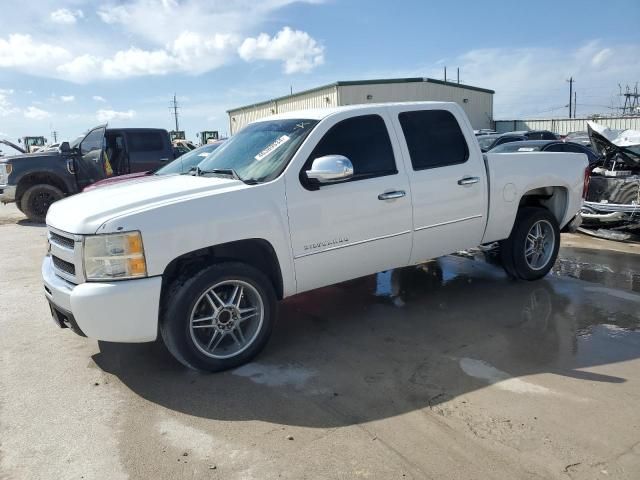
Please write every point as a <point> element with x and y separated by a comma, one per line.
<point>219,318</point>
<point>532,248</point>
<point>37,199</point>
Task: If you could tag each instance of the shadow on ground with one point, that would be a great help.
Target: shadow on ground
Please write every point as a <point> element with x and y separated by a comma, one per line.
<point>408,339</point>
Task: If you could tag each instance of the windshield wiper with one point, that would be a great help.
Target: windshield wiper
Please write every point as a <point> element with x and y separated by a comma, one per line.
<point>224,171</point>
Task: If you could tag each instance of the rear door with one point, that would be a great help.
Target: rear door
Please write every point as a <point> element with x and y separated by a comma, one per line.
<point>447,177</point>
<point>89,161</point>
<point>147,150</point>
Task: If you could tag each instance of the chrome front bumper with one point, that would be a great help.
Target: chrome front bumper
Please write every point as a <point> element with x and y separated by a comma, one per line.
<point>121,311</point>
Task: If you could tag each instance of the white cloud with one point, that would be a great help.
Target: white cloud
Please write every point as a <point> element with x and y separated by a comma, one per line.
<point>22,52</point>
<point>35,113</point>
<point>67,98</point>
<point>531,82</point>
<point>98,98</point>
<point>6,108</point>
<point>298,51</point>
<point>159,37</point>
<point>109,115</point>
<point>65,16</point>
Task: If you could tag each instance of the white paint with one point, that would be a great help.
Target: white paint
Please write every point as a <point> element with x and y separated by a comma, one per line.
<point>275,375</point>
<point>502,380</point>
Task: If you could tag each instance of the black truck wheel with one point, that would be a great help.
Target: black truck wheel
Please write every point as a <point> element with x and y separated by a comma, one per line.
<point>35,202</point>
<point>532,248</point>
<point>219,318</point>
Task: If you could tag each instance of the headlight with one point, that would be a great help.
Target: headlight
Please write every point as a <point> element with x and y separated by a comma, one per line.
<point>5,171</point>
<point>115,256</point>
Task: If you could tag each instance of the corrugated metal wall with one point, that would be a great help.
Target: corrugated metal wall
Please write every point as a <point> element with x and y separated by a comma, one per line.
<point>478,105</point>
<point>566,125</point>
<point>326,97</point>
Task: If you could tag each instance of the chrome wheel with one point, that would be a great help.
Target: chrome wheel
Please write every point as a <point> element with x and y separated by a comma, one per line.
<point>226,319</point>
<point>539,245</point>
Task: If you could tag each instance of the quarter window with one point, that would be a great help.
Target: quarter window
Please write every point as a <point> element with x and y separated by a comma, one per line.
<point>145,141</point>
<point>434,139</point>
<point>365,141</point>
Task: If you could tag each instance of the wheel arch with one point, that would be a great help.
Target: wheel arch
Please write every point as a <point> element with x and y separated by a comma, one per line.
<point>256,252</point>
<point>555,199</point>
<point>35,178</point>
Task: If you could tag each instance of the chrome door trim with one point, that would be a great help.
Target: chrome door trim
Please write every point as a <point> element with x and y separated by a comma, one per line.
<point>447,223</point>
<point>360,242</point>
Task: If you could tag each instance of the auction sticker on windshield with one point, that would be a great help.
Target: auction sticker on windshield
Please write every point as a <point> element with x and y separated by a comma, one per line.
<point>273,147</point>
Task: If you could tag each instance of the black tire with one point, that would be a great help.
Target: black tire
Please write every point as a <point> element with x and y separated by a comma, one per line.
<point>512,250</point>
<point>35,202</point>
<point>183,297</point>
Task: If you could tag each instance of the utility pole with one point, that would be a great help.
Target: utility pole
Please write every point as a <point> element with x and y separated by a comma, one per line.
<point>174,107</point>
<point>458,75</point>
<point>570,95</point>
<point>54,134</point>
<point>575,103</point>
<point>445,73</point>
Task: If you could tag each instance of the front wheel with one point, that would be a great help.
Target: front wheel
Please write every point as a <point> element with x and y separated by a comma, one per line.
<point>37,199</point>
<point>532,248</point>
<point>219,318</point>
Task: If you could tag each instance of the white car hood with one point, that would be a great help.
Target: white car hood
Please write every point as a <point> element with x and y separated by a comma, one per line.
<point>86,212</point>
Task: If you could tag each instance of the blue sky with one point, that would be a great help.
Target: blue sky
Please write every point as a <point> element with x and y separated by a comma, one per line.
<point>71,64</point>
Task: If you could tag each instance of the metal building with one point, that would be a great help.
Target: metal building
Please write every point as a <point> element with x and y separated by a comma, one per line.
<point>476,102</point>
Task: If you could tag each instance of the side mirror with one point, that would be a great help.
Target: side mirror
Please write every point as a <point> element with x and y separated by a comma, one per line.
<point>330,169</point>
<point>64,147</point>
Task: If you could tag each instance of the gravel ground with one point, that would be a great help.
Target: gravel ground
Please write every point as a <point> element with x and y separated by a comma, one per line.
<point>447,370</point>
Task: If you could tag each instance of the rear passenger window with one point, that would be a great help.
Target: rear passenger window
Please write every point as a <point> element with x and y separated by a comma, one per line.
<point>434,139</point>
<point>556,148</point>
<point>145,141</point>
<point>365,141</point>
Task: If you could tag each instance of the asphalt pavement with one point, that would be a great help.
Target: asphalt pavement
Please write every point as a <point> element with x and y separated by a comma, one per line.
<point>444,370</point>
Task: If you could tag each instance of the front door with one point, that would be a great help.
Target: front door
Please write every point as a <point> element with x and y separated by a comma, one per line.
<point>448,180</point>
<point>89,162</point>
<point>357,227</point>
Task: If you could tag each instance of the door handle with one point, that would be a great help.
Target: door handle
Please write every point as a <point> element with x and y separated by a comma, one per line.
<point>468,180</point>
<point>392,195</point>
<point>165,159</point>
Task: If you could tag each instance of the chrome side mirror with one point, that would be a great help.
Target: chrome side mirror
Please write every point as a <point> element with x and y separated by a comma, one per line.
<point>330,169</point>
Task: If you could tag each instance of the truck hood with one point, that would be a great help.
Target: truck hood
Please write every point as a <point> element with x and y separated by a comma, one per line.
<point>25,157</point>
<point>86,212</point>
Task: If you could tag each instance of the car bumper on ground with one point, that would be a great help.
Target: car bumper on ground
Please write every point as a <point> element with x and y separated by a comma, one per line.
<point>122,311</point>
<point>7,193</point>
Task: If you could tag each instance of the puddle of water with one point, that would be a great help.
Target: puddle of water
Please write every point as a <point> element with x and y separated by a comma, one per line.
<point>610,269</point>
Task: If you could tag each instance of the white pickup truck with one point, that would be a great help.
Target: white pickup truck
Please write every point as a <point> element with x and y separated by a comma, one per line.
<point>291,203</point>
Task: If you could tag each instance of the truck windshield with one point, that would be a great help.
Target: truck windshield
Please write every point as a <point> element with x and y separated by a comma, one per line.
<point>260,151</point>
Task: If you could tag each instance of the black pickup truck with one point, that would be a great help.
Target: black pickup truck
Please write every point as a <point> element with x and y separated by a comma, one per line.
<point>34,181</point>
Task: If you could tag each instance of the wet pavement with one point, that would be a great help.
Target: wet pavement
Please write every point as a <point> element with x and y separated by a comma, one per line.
<point>443,370</point>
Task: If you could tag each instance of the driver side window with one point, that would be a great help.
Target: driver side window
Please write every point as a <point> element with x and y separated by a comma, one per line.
<point>365,141</point>
<point>92,142</point>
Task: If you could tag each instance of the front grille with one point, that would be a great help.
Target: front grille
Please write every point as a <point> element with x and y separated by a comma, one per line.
<point>67,267</point>
<point>62,241</point>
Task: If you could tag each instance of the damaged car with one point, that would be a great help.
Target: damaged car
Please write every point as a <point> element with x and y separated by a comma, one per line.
<point>612,204</point>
